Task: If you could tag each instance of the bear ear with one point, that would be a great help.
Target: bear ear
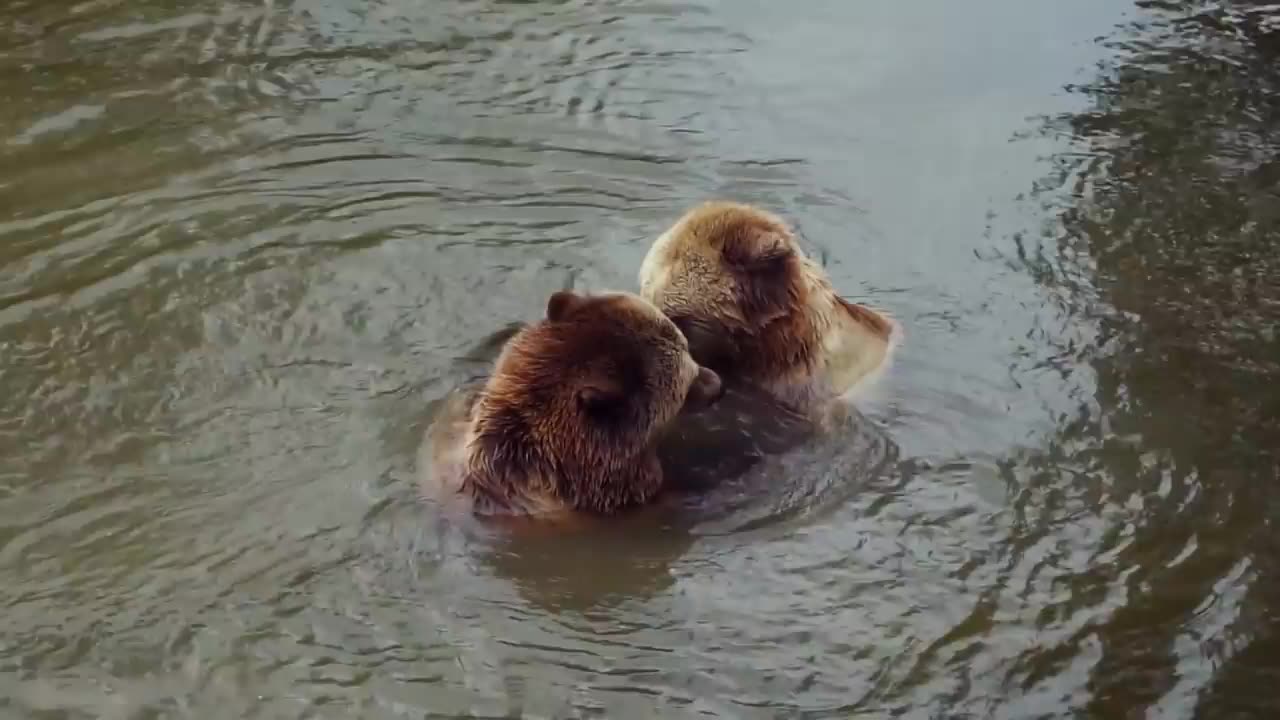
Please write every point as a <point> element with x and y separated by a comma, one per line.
<point>760,262</point>
<point>757,253</point>
<point>599,395</point>
<point>562,303</point>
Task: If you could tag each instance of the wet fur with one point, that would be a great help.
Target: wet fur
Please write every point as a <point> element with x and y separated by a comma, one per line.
<point>568,420</point>
<point>758,311</point>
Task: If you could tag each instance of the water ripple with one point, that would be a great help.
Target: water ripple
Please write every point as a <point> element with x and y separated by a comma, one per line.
<point>245,246</point>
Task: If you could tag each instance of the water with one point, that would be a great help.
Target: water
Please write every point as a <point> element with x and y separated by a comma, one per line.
<point>246,246</point>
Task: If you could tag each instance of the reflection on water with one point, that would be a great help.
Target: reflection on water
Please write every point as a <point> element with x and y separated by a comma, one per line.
<point>246,246</point>
<point>1169,245</point>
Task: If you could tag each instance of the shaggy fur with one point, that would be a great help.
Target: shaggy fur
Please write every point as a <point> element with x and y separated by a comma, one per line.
<point>758,311</point>
<point>570,416</point>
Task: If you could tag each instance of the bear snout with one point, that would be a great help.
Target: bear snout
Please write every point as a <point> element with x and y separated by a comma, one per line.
<point>705,390</point>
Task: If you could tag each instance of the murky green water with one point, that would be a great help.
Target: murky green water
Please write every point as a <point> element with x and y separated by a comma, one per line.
<point>246,245</point>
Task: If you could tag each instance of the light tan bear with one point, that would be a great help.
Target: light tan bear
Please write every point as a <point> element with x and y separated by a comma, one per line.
<point>568,420</point>
<point>758,311</point>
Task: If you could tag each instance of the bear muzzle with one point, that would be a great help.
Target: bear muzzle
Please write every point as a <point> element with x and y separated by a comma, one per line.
<point>705,390</point>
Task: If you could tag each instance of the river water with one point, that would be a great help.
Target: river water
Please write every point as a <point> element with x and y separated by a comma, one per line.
<point>247,245</point>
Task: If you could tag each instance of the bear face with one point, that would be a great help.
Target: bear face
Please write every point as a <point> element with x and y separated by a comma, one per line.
<point>758,311</point>
<point>570,415</point>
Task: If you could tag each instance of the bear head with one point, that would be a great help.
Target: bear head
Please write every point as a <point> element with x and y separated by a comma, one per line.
<point>757,310</point>
<point>735,281</point>
<point>575,404</point>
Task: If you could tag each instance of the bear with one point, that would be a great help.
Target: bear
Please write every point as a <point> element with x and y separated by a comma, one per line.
<point>759,312</point>
<point>568,420</point>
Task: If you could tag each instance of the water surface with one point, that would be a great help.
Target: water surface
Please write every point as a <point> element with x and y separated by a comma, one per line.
<point>247,245</point>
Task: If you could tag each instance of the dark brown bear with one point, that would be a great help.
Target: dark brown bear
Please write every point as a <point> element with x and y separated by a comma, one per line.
<point>570,416</point>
